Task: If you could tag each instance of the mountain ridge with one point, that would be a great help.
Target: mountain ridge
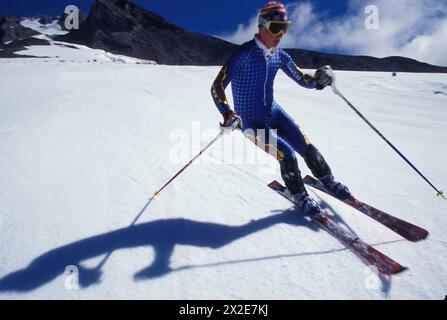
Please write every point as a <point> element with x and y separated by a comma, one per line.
<point>122,27</point>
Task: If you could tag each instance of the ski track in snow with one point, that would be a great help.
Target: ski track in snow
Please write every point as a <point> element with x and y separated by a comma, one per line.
<point>84,146</point>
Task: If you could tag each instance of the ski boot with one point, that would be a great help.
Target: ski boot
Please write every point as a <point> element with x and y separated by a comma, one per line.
<point>295,185</point>
<point>307,204</point>
<point>335,188</point>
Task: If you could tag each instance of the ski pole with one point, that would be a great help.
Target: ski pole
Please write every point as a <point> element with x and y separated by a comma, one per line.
<point>157,192</point>
<point>337,92</point>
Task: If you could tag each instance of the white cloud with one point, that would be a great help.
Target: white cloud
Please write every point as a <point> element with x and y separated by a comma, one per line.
<point>413,28</point>
<point>243,33</point>
<point>431,47</point>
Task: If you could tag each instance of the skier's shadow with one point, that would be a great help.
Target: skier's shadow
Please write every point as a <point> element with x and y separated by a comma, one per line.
<point>163,235</point>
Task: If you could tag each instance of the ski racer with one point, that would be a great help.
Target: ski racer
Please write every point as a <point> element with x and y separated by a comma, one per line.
<point>251,71</point>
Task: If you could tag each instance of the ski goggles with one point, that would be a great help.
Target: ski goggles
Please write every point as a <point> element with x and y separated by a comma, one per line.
<point>276,27</point>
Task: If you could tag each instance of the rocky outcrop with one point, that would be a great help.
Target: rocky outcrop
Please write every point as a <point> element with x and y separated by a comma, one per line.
<point>12,30</point>
<point>122,27</point>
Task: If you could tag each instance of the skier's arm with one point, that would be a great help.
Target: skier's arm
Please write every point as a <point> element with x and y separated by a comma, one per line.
<point>294,72</point>
<point>221,82</point>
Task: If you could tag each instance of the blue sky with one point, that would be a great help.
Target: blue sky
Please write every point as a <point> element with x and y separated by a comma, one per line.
<point>411,28</point>
<point>211,17</point>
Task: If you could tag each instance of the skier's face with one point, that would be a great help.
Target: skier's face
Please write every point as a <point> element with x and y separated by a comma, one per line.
<point>269,40</point>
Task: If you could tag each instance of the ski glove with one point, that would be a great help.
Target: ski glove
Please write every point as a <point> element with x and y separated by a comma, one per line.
<point>231,122</point>
<point>323,77</point>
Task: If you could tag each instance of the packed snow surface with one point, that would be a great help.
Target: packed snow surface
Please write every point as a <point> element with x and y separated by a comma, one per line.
<point>85,145</point>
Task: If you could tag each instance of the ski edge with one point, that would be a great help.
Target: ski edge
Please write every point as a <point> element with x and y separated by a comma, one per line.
<point>422,233</point>
<point>397,267</point>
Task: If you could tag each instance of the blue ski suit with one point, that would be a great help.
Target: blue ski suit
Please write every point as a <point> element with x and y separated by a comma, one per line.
<point>251,71</point>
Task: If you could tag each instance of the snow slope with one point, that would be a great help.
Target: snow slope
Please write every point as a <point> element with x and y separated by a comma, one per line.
<point>84,146</point>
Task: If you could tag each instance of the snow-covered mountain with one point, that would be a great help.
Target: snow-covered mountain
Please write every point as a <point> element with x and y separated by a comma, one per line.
<point>34,38</point>
<point>60,51</point>
<point>85,145</point>
<point>51,27</point>
<point>124,28</point>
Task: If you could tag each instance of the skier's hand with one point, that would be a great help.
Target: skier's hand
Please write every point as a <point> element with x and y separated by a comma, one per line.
<point>308,78</point>
<point>231,122</point>
<point>323,77</point>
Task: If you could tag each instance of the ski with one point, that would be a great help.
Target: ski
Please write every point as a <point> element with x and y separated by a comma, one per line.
<point>401,227</point>
<point>364,251</point>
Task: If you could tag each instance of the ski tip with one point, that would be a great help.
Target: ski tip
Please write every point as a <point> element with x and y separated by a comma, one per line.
<point>400,270</point>
<point>394,271</point>
<point>422,235</point>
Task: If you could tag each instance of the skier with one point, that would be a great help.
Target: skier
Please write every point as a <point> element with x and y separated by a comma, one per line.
<point>251,71</point>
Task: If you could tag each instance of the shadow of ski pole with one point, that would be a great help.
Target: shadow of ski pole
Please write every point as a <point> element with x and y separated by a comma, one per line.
<point>107,256</point>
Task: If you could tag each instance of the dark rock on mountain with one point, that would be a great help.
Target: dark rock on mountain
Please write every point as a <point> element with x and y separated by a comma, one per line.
<point>312,59</point>
<point>43,19</point>
<point>8,50</point>
<point>12,30</point>
<point>122,27</point>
